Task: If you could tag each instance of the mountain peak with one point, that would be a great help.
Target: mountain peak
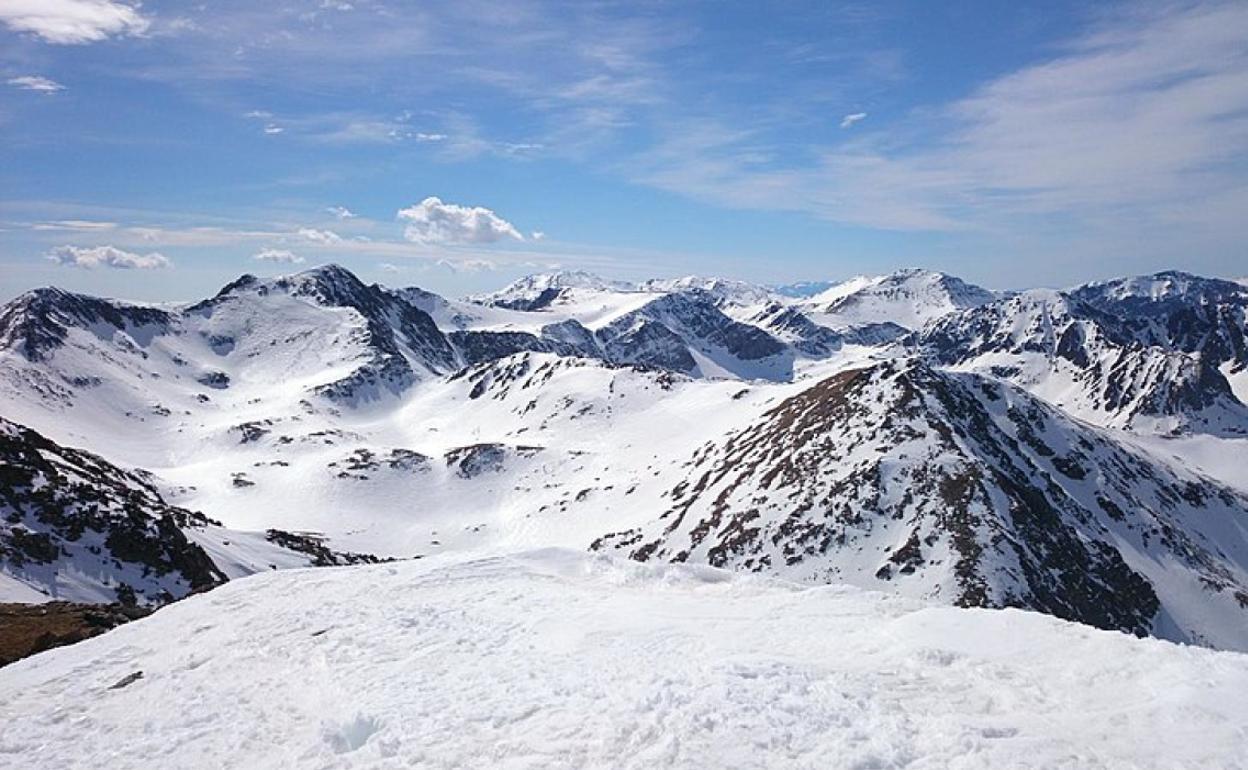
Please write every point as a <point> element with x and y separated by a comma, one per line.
<point>911,297</point>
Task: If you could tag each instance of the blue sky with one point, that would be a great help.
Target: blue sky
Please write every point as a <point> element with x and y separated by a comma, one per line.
<point>156,151</point>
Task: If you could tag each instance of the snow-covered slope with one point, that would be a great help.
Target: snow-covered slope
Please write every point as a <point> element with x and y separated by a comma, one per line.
<point>400,423</point>
<point>557,659</point>
<point>74,527</point>
<point>964,490</point>
<point>909,298</point>
<point>1155,368</point>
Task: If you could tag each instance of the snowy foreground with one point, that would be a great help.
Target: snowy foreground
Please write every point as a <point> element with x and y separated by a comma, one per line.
<point>561,659</point>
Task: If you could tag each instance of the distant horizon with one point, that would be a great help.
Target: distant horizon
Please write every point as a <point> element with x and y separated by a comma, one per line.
<point>391,284</point>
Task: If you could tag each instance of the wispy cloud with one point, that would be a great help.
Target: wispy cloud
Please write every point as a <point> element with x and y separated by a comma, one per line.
<point>106,256</point>
<point>280,256</point>
<point>70,22</point>
<point>36,83</point>
<point>1134,121</point>
<point>76,225</point>
<point>433,222</point>
<point>323,237</point>
<point>341,212</point>
<point>467,265</point>
<point>852,118</point>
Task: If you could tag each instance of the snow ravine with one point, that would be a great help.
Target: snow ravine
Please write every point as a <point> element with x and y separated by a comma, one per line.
<point>560,659</point>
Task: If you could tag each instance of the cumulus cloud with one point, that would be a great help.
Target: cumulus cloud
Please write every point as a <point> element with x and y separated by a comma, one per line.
<point>280,256</point>
<point>70,22</point>
<point>433,222</point>
<point>319,236</point>
<point>36,83</point>
<point>852,118</point>
<point>342,212</point>
<point>106,256</point>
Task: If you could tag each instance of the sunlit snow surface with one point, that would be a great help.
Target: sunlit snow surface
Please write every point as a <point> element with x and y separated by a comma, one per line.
<point>560,659</point>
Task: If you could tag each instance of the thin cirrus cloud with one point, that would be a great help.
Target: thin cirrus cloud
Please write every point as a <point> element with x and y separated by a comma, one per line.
<point>73,22</point>
<point>1139,121</point>
<point>36,83</point>
<point>91,257</point>
<point>852,118</point>
<point>433,222</point>
<point>278,256</point>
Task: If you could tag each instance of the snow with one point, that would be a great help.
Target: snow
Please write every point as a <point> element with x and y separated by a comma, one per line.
<point>560,659</point>
<point>910,298</point>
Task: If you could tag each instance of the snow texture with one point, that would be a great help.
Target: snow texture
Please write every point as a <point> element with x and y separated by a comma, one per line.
<point>556,659</point>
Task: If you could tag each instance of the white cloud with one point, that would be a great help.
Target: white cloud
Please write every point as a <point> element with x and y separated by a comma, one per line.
<point>423,137</point>
<point>467,265</point>
<point>386,267</point>
<point>1140,122</point>
<point>272,129</point>
<point>106,256</point>
<point>281,256</point>
<point>851,119</point>
<point>36,83</point>
<point>70,22</point>
<point>537,235</point>
<point>433,222</point>
<point>342,212</point>
<point>77,225</point>
<point>319,236</point>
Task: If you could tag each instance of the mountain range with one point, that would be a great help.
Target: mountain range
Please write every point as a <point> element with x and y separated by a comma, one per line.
<point>1057,451</point>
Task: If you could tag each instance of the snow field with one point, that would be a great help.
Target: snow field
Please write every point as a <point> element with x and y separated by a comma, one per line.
<point>560,659</point>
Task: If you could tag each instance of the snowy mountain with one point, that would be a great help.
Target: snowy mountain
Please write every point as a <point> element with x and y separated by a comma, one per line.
<point>1111,358</point>
<point>961,489</point>
<point>559,659</point>
<point>802,289</point>
<point>537,292</point>
<point>908,298</point>
<point>75,527</point>
<point>725,291</point>
<point>358,419</point>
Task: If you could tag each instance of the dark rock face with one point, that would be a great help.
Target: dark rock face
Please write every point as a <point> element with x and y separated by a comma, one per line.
<point>1178,311</point>
<point>1121,353</point>
<point>315,547</point>
<point>808,337</point>
<point>478,346</point>
<point>477,459</point>
<point>646,342</point>
<point>36,323</point>
<point>696,315</point>
<point>63,507</point>
<point>542,301</point>
<point>954,486</point>
<point>573,334</point>
<point>663,332</point>
<point>26,629</point>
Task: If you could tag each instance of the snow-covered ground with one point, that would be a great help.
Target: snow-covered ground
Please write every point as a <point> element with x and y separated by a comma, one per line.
<point>560,659</point>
